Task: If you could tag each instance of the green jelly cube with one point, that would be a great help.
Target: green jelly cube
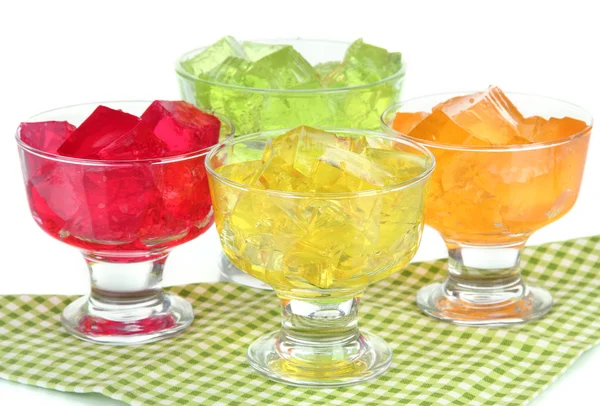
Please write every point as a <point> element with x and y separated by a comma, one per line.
<point>241,107</point>
<point>363,64</point>
<point>255,50</point>
<point>325,68</point>
<point>231,71</point>
<point>214,55</point>
<point>283,69</point>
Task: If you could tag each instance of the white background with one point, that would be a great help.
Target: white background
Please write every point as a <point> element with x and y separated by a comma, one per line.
<point>55,53</point>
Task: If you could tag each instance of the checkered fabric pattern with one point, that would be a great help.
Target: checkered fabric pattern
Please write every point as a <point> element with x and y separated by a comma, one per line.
<point>434,363</point>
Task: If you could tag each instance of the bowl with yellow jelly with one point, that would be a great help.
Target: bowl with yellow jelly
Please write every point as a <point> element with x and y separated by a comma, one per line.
<point>319,215</point>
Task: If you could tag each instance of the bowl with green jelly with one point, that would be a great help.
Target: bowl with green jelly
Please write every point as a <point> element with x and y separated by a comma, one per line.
<point>276,84</point>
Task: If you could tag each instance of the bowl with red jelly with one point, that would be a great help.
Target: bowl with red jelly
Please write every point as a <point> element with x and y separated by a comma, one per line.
<point>124,182</point>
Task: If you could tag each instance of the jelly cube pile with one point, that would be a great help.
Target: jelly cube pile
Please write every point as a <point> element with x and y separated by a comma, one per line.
<point>324,235</point>
<point>274,66</point>
<point>485,118</point>
<point>127,198</point>
<point>482,192</point>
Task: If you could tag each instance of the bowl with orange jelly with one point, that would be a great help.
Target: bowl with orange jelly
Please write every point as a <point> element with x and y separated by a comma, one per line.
<point>507,165</point>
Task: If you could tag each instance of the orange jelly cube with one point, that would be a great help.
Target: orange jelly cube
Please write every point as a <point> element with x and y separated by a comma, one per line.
<point>405,122</point>
<point>538,129</point>
<point>489,115</point>
<point>438,127</point>
<point>557,128</point>
<point>530,127</point>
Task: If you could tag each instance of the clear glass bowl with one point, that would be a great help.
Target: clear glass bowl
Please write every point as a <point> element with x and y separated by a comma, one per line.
<point>486,202</point>
<point>319,252</point>
<point>125,217</point>
<point>252,109</point>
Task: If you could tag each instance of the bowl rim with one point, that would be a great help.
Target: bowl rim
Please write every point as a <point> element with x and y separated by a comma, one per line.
<point>188,76</point>
<point>487,148</point>
<point>423,176</point>
<point>116,162</point>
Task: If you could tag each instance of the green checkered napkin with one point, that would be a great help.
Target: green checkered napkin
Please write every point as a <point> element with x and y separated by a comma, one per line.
<point>434,363</point>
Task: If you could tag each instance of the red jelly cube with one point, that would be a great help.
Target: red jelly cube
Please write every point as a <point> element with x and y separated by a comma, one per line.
<point>138,143</point>
<point>182,126</point>
<point>184,190</point>
<point>120,202</point>
<point>46,136</point>
<point>42,213</point>
<point>100,129</point>
<point>57,195</point>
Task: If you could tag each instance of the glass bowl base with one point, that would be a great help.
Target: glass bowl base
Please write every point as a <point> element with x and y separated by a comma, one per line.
<point>434,301</point>
<point>231,273</point>
<point>321,367</point>
<point>162,316</point>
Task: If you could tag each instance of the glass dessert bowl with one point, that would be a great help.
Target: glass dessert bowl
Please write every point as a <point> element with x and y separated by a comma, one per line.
<point>124,215</point>
<point>264,103</point>
<point>319,240</point>
<point>503,171</point>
